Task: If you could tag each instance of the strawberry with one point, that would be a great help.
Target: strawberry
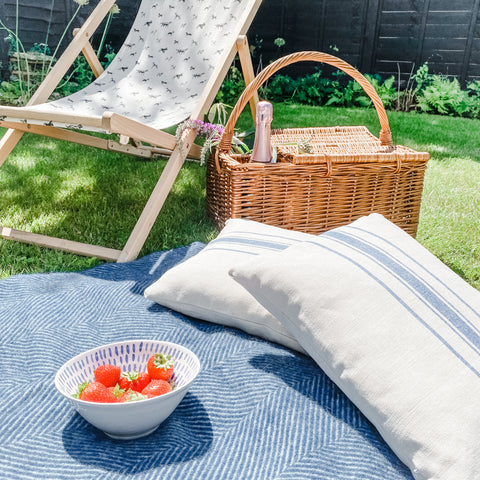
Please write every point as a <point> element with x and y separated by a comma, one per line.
<point>116,390</point>
<point>142,380</point>
<point>134,380</point>
<point>97,392</point>
<point>124,383</point>
<point>81,388</point>
<point>156,388</point>
<point>160,366</point>
<point>108,375</point>
<point>131,396</point>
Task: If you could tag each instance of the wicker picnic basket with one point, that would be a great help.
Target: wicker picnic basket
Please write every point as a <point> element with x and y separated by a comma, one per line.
<point>350,173</point>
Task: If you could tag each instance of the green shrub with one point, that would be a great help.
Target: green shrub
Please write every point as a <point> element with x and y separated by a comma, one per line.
<point>427,92</point>
<point>337,94</point>
<point>10,93</point>
<point>443,95</point>
<point>281,88</point>
<point>473,99</point>
<point>386,90</point>
<point>81,74</point>
<point>310,89</point>
<point>232,87</point>
<point>29,79</point>
<point>14,92</point>
<point>316,89</point>
<point>421,77</point>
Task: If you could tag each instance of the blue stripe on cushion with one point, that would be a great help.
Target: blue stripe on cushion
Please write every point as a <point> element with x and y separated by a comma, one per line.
<point>436,301</point>
<point>460,324</point>
<point>420,266</point>
<point>277,242</point>
<point>389,264</point>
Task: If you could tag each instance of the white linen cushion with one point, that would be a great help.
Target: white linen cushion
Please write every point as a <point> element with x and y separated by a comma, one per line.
<point>201,287</point>
<point>396,329</point>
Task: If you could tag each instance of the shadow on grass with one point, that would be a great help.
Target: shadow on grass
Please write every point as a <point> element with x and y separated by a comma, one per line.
<point>94,196</point>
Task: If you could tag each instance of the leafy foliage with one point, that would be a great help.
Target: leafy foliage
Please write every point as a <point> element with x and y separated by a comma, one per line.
<point>280,88</point>
<point>232,87</point>
<point>317,89</point>
<point>443,95</point>
<point>10,93</point>
<point>430,93</point>
<point>16,92</point>
<point>386,90</point>
<point>33,66</point>
<point>473,99</point>
<point>81,74</point>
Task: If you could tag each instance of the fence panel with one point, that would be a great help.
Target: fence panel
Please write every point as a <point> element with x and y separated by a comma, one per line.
<point>377,36</point>
<point>437,31</point>
<point>388,37</point>
<point>44,21</point>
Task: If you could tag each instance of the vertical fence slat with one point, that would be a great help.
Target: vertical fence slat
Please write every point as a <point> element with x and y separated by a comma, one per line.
<point>468,49</point>
<point>3,45</point>
<point>421,33</point>
<point>370,35</point>
<point>321,22</point>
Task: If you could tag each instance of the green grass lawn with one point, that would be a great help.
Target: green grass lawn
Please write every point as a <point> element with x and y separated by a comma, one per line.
<point>93,196</point>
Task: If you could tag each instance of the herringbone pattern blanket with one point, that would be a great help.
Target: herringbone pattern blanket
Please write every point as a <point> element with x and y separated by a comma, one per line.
<point>256,411</point>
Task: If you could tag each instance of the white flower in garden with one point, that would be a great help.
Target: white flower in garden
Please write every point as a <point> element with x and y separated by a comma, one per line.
<point>81,3</point>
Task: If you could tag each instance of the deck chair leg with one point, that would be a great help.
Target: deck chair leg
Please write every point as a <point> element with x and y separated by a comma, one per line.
<point>155,202</point>
<point>8,142</point>
<point>159,141</point>
<point>91,57</point>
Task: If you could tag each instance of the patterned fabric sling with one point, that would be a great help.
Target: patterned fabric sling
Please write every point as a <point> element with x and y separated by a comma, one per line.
<point>161,70</point>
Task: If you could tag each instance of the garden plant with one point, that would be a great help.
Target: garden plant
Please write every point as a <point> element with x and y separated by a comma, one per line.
<point>32,66</point>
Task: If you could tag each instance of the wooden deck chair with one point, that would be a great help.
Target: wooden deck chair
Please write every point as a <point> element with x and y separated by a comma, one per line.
<point>169,68</point>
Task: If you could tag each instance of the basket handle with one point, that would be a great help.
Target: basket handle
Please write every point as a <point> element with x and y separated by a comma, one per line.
<point>227,136</point>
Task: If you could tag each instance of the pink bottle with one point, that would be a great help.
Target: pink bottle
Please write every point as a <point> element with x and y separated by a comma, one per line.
<point>262,149</point>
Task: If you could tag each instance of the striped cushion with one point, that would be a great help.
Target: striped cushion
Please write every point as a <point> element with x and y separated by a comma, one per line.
<point>201,287</point>
<point>396,329</point>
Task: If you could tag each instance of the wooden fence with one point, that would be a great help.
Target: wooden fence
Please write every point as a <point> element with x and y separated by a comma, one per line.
<point>377,36</point>
<point>44,21</point>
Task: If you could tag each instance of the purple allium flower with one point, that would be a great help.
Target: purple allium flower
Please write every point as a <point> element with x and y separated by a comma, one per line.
<point>210,131</point>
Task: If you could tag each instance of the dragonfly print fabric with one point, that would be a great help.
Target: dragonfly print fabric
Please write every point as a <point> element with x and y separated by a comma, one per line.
<point>162,68</point>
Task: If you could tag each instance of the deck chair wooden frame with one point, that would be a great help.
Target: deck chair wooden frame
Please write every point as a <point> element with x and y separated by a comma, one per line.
<point>132,134</point>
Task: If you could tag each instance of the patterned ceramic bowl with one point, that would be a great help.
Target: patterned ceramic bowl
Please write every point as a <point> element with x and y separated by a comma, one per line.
<point>131,419</point>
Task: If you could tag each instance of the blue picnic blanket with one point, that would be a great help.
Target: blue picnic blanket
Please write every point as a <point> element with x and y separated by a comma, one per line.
<point>256,411</point>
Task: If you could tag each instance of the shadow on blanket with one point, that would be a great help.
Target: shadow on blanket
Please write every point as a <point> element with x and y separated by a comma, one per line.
<point>145,270</point>
<point>327,395</point>
<point>182,438</point>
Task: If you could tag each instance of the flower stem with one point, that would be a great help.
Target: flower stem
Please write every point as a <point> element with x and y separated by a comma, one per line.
<point>63,36</point>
